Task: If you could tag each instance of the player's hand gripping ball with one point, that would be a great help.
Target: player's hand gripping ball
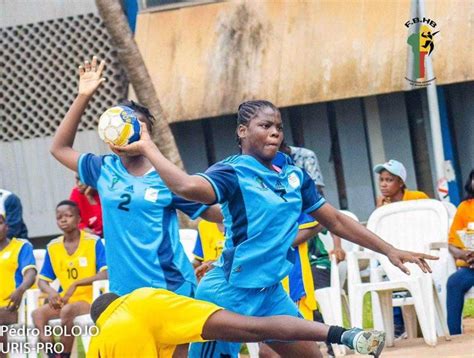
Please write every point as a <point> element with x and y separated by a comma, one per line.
<point>119,125</point>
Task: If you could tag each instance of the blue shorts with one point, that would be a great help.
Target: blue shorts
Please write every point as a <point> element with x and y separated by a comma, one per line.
<point>260,302</point>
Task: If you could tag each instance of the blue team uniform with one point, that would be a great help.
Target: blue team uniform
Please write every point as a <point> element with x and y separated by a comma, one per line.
<point>261,208</point>
<point>140,227</point>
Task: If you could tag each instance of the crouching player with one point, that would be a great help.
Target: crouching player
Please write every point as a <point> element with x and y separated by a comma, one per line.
<point>17,274</point>
<point>76,259</point>
<point>150,322</point>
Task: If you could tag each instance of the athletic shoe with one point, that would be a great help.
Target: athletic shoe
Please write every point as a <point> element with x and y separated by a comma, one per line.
<point>364,342</point>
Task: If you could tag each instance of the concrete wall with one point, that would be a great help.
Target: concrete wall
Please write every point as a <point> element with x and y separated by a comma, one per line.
<point>22,12</point>
<point>461,102</point>
<point>204,60</point>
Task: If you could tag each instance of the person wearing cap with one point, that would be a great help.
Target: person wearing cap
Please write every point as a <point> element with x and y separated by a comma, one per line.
<point>392,178</point>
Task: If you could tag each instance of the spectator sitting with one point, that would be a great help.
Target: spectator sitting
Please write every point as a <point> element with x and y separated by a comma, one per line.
<point>76,259</point>
<point>10,207</point>
<point>17,274</point>
<point>88,202</point>
<point>392,178</point>
<point>392,185</point>
<point>209,246</point>
<point>463,279</point>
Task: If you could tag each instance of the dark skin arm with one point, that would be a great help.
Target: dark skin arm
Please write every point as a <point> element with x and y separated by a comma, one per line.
<point>102,275</point>
<point>306,235</point>
<point>460,254</point>
<point>90,78</point>
<point>15,297</point>
<point>227,326</point>
<point>338,251</point>
<point>213,214</point>
<point>351,230</point>
<point>54,300</point>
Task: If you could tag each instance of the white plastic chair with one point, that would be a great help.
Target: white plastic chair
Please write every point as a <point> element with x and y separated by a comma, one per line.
<point>32,302</point>
<point>188,239</point>
<point>451,209</point>
<point>411,225</point>
<point>332,299</point>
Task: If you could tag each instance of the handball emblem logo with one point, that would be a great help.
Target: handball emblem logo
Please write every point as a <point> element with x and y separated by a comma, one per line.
<point>422,44</point>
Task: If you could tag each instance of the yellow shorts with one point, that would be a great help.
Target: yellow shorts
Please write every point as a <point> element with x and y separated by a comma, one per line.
<point>149,323</point>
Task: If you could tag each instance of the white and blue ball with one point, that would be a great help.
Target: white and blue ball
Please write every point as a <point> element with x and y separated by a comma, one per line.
<point>119,125</point>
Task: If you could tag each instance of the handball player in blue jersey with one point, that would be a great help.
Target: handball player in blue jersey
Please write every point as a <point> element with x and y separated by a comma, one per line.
<point>139,211</point>
<point>262,195</point>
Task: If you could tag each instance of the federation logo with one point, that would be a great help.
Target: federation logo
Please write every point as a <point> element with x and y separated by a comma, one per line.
<point>422,44</point>
<point>151,194</point>
<point>293,180</point>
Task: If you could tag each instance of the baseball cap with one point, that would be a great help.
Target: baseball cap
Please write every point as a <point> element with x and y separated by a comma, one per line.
<point>394,167</point>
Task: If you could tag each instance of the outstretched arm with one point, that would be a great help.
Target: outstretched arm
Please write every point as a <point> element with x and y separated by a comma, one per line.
<point>227,326</point>
<point>90,78</point>
<point>191,187</point>
<point>349,229</point>
<point>306,235</point>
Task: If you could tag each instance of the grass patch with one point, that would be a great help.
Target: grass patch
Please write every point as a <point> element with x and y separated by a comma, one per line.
<point>468,308</point>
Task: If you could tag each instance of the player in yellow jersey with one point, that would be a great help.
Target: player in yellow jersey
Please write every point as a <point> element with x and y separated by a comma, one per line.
<point>209,246</point>
<point>17,274</point>
<point>150,322</point>
<point>76,259</point>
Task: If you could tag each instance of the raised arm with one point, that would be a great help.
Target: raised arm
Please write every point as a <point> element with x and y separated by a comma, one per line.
<point>191,187</point>
<point>90,78</point>
<point>351,230</point>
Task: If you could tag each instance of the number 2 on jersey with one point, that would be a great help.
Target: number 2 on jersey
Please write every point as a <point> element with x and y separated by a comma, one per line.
<point>127,198</point>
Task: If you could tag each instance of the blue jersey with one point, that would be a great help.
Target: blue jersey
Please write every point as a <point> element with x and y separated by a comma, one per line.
<point>140,226</point>
<point>261,209</point>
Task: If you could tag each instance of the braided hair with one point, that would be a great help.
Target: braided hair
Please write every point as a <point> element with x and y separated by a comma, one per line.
<point>249,110</point>
<point>139,109</point>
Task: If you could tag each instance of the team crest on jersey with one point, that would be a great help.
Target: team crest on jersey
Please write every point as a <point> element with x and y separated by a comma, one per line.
<point>115,180</point>
<point>151,194</point>
<point>262,185</point>
<point>83,261</point>
<point>129,189</point>
<point>293,180</point>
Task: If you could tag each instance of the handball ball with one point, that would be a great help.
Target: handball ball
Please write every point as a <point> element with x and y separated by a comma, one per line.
<point>119,125</point>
